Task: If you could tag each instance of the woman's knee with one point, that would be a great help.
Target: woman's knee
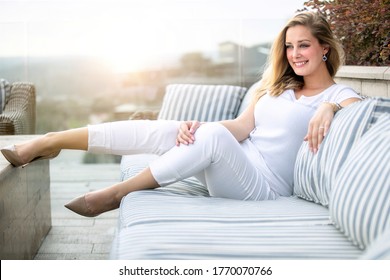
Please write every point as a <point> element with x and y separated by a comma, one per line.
<point>212,130</point>
<point>214,135</point>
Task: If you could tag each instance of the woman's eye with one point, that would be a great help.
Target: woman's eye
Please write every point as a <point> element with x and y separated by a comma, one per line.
<point>289,47</point>
<point>304,46</point>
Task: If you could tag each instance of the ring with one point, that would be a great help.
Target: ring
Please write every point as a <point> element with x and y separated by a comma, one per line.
<point>321,127</point>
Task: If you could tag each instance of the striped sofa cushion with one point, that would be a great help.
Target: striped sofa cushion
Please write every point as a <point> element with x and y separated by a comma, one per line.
<point>201,102</point>
<point>246,101</point>
<point>360,199</point>
<point>157,224</point>
<point>379,249</point>
<point>315,174</point>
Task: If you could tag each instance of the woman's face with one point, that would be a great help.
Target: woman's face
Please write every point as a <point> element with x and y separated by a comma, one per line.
<point>304,52</point>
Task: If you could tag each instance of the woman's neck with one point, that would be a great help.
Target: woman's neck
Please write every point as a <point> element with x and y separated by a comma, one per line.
<point>313,87</point>
<point>318,82</point>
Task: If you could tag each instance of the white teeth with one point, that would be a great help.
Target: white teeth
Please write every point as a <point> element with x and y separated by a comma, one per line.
<point>300,63</point>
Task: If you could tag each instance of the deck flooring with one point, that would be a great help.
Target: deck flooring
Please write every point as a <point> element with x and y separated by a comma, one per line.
<point>73,237</point>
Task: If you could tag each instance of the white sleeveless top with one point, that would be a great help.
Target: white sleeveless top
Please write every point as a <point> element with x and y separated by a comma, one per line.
<point>281,123</point>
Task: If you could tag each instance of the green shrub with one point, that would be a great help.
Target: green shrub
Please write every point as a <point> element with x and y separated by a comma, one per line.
<point>362,26</point>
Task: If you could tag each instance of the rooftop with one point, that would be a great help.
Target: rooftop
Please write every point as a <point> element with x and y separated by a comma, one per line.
<point>73,237</point>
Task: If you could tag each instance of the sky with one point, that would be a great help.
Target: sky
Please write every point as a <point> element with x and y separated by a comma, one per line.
<point>139,31</point>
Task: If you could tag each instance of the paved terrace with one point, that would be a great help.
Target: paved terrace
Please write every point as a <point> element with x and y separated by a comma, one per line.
<point>73,236</point>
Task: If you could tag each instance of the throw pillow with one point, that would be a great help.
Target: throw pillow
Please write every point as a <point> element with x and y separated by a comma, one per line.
<point>360,199</point>
<point>315,174</point>
<point>5,91</point>
<point>348,126</point>
<point>379,249</point>
<point>201,102</point>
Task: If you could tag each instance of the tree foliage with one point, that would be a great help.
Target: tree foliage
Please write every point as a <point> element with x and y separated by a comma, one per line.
<point>362,26</point>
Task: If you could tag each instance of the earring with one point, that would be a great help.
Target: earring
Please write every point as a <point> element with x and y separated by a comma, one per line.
<point>324,58</point>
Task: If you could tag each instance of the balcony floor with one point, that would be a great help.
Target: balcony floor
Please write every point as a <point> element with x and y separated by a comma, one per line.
<point>73,236</point>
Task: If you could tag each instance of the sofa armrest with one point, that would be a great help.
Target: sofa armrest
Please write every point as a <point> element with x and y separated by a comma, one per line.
<point>19,115</point>
<point>144,115</point>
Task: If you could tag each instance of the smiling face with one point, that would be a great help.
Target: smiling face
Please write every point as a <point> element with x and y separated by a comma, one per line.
<point>304,52</point>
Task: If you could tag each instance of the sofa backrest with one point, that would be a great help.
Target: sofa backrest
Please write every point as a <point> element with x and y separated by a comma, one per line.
<point>350,173</point>
<point>201,102</point>
<point>248,97</point>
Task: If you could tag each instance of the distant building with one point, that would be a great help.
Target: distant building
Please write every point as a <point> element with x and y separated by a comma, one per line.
<point>246,62</point>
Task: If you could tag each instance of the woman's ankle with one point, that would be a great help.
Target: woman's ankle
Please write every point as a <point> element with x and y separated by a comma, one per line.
<point>49,144</point>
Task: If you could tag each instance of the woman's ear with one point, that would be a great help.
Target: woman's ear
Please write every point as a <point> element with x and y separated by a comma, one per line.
<point>325,49</point>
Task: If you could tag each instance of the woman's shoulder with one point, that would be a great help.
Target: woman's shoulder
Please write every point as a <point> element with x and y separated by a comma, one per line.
<point>340,92</point>
<point>341,87</point>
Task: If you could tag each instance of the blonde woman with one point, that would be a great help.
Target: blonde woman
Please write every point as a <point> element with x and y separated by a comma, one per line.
<point>249,158</point>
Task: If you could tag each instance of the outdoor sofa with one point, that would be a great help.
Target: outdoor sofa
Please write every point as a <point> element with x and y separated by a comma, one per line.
<point>339,208</point>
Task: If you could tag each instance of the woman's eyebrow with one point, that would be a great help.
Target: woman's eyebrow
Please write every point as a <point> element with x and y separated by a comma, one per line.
<point>300,41</point>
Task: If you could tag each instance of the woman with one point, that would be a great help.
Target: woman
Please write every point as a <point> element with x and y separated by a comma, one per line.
<point>251,157</point>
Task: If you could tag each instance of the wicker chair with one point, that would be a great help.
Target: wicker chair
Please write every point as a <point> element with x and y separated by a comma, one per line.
<point>19,115</point>
<point>144,115</point>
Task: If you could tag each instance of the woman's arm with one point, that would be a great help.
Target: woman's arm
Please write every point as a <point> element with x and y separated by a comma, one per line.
<point>320,123</point>
<point>239,127</point>
<point>243,124</point>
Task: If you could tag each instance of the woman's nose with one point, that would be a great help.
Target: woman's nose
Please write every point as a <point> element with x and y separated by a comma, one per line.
<point>296,52</point>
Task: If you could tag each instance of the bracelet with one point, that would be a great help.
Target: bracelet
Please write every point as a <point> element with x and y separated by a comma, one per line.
<point>335,106</point>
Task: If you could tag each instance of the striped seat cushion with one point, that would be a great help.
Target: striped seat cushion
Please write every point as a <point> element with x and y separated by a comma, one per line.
<point>201,102</point>
<point>157,224</point>
<point>315,174</point>
<point>360,199</point>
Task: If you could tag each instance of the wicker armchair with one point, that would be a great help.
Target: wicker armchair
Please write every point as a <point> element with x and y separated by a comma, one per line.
<point>144,115</point>
<point>19,115</point>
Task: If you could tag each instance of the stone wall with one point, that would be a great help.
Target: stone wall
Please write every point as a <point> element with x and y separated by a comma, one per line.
<point>25,210</point>
<point>367,80</point>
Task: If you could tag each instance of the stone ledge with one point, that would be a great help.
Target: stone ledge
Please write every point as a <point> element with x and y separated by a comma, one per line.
<point>364,72</point>
<point>25,210</point>
<point>387,74</point>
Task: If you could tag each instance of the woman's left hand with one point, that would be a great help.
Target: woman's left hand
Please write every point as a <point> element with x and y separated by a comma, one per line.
<point>319,126</point>
<point>186,132</point>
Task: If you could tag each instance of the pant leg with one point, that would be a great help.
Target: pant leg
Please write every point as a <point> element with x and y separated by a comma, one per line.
<point>227,170</point>
<point>132,137</point>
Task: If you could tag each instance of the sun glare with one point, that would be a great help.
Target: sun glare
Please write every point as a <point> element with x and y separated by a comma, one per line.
<point>134,44</point>
<point>130,35</point>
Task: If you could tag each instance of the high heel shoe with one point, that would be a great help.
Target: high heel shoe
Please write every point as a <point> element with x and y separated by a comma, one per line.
<point>11,154</point>
<point>79,206</point>
<point>99,205</point>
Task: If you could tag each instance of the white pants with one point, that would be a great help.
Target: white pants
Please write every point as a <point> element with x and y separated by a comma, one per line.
<point>216,158</point>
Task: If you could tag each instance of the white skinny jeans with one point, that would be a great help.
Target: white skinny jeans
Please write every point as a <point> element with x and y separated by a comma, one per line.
<point>216,158</point>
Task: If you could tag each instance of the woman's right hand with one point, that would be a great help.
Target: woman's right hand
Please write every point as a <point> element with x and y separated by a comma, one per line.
<point>186,132</point>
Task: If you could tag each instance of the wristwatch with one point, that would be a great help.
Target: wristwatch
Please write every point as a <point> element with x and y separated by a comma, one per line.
<point>335,106</point>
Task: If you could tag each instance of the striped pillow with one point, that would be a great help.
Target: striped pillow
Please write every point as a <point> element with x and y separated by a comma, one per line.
<point>360,199</point>
<point>201,102</point>
<point>315,174</point>
<point>248,97</point>
<point>5,91</point>
<point>379,249</point>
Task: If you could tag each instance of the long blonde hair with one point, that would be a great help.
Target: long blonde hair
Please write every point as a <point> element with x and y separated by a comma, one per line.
<point>279,75</point>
